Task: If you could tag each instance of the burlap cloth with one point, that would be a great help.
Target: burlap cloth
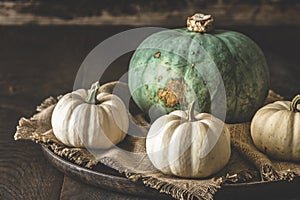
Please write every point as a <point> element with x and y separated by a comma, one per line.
<point>246,164</point>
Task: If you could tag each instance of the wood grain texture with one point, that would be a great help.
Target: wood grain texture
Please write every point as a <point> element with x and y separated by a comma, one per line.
<point>25,174</point>
<point>102,177</point>
<point>73,189</point>
<point>162,12</point>
<point>39,61</point>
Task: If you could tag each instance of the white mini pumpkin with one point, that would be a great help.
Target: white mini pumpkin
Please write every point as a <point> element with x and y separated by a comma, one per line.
<point>85,118</point>
<point>188,145</point>
<point>275,129</point>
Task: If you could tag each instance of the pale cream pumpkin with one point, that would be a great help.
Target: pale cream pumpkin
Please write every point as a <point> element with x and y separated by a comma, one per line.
<point>275,129</point>
<point>85,118</point>
<point>186,144</point>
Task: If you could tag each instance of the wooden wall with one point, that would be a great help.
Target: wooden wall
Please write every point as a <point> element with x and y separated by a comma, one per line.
<point>143,12</point>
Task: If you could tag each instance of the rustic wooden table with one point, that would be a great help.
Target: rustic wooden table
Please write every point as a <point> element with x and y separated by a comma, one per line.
<point>40,61</point>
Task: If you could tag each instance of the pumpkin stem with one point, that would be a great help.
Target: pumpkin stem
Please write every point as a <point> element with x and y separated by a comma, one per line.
<point>199,22</point>
<point>191,112</point>
<point>294,104</point>
<point>92,94</point>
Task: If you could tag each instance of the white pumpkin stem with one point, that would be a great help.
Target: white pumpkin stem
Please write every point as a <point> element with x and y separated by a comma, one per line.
<point>191,112</point>
<point>294,104</point>
<point>92,94</point>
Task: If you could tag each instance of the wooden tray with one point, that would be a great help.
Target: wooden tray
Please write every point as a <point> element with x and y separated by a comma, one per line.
<point>107,178</point>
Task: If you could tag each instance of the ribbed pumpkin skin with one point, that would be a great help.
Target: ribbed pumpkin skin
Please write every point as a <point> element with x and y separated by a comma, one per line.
<point>194,149</point>
<point>185,55</point>
<point>275,130</point>
<point>79,124</point>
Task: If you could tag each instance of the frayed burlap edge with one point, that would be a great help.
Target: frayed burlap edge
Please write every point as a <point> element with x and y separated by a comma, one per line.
<point>241,140</point>
<point>183,189</point>
<point>38,129</point>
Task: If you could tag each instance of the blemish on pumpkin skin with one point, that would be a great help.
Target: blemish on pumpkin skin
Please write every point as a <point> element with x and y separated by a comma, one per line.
<point>159,78</point>
<point>168,97</point>
<point>157,55</point>
<point>173,93</point>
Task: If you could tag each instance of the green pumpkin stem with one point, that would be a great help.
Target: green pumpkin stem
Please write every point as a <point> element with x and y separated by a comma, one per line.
<point>294,104</point>
<point>92,94</point>
<point>191,112</point>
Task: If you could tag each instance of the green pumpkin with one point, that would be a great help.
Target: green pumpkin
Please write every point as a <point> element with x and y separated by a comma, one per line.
<point>172,68</point>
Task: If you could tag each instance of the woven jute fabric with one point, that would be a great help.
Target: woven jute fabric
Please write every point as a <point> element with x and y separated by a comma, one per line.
<point>129,158</point>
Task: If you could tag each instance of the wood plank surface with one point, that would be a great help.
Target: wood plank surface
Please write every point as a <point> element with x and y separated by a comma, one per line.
<point>36,62</point>
<point>162,13</point>
<point>25,174</point>
<point>73,189</point>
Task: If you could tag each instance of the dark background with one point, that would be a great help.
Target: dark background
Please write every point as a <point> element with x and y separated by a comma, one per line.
<point>43,44</point>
